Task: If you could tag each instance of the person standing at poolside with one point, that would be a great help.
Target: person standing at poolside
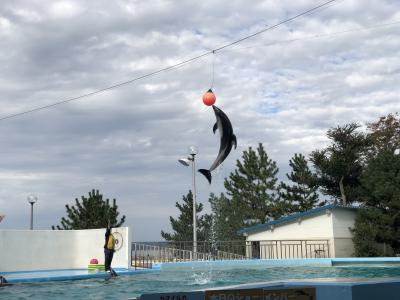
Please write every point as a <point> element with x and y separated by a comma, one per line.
<point>109,249</point>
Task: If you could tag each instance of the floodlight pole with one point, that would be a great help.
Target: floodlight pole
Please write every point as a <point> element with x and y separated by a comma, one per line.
<point>32,199</point>
<point>194,204</point>
<point>186,162</point>
<point>32,215</point>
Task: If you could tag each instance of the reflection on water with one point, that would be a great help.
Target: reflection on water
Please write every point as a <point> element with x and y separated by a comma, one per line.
<point>180,279</point>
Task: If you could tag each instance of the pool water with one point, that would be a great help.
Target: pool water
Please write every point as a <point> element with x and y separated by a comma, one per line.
<point>186,279</point>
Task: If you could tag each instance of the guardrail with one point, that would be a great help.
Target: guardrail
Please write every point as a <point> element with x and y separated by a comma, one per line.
<point>145,254</point>
<point>286,249</point>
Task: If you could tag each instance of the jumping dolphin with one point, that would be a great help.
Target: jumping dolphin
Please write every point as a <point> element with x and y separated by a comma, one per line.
<point>228,139</point>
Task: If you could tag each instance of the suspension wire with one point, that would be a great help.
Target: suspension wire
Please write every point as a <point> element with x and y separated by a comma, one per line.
<point>190,60</point>
<point>273,26</point>
<point>212,70</point>
<point>107,88</point>
<point>317,36</point>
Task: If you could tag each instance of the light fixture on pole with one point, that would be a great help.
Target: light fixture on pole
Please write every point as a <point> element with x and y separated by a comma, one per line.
<point>32,200</point>
<point>186,162</point>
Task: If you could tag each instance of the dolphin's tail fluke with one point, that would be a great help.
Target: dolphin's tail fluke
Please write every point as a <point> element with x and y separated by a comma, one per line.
<point>206,173</point>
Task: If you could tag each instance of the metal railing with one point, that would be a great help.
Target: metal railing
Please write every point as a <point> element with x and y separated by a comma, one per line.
<point>285,249</point>
<point>237,247</point>
<point>145,254</point>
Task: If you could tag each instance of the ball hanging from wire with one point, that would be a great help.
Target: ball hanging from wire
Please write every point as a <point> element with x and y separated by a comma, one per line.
<point>209,98</point>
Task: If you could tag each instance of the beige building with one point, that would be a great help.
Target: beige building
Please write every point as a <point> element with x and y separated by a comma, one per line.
<point>320,232</point>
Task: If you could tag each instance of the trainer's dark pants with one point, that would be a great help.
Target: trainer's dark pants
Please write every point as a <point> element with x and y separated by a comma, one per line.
<point>108,256</point>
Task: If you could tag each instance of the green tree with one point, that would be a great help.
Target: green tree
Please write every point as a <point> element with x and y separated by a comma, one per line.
<point>92,212</point>
<point>227,218</point>
<point>339,166</point>
<point>302,195</point>
<point>381,187</point>
<point>379,220</point>
<point>385,134</point>
<point>253,184</point>
<point>366,233</point>
<point>183,226</point>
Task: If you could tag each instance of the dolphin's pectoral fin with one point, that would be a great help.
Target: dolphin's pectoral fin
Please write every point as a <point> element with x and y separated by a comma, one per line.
<point>215,127</point>
<point>206,173</point>
<point>234,141</point>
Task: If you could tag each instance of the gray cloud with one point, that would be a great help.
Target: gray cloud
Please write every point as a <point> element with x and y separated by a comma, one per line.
<point>283,88</point>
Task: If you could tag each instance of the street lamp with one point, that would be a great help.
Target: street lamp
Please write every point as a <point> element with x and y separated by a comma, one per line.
<point>186,162</point>
<point>32,200</point>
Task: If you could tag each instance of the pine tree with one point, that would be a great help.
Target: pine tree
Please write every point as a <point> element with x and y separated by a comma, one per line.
<point>227,218</point>
<point>302,195</point>
<point>381,186</point>
<point>379,219</point>
<point>366,233</point>
<point>92,212</point>
<point>183,226</point>
<point>385,134</point>
<point>253,184</point>
<point>339,166</point>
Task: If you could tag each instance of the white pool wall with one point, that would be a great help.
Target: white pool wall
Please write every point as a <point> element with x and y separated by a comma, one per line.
<point>30,250</point>
<point>327,262</point>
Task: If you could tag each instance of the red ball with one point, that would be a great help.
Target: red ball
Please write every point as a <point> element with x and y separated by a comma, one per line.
<point>209,98</point>
<point>94,261</point>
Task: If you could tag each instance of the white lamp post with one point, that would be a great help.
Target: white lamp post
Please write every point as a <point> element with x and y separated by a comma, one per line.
<point>32,200</point>
<point>186,162</point>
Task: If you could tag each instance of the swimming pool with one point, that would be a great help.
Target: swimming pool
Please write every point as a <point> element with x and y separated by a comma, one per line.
<point>181,277</point>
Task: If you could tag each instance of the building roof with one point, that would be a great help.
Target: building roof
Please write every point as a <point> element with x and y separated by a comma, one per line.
<point>293,217</point>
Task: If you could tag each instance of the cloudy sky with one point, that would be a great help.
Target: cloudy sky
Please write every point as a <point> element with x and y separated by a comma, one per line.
<point>284,88</point>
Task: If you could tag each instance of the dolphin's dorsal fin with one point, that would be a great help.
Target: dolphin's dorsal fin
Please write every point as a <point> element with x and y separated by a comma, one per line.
<point>215,127</point>
<point>234,141</point>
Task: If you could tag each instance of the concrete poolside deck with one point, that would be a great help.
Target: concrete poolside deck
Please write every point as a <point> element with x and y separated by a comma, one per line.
<point>310,289</point>
<point>62,275</point>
